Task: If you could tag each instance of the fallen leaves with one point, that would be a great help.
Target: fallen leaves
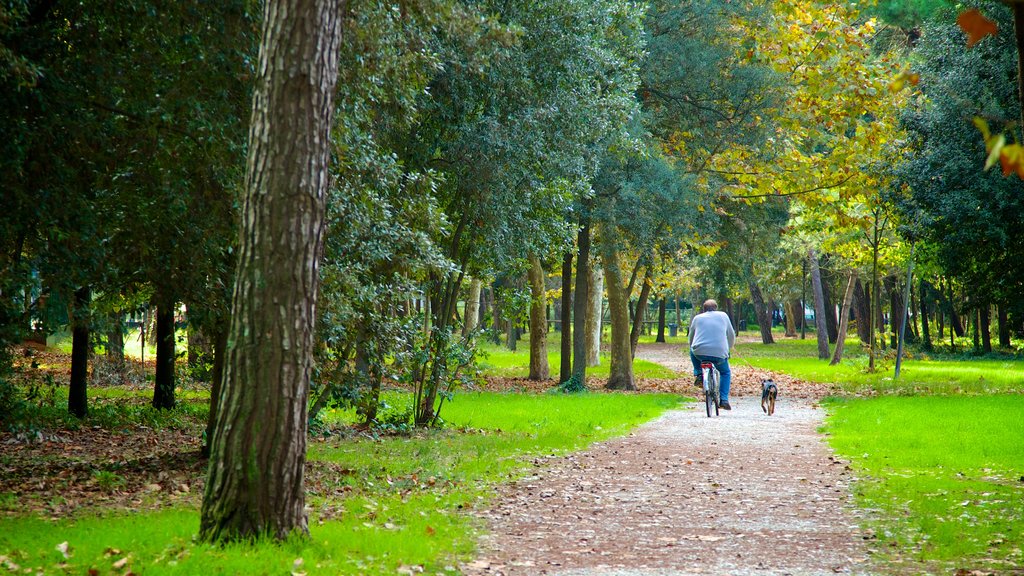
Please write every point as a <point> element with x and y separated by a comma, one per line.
<point>976,26</point>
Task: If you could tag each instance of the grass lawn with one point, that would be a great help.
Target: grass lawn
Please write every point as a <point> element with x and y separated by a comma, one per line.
<point>497,360</point>
<point>919,374</point>
<point>942,475</point>
<point>378,505</point>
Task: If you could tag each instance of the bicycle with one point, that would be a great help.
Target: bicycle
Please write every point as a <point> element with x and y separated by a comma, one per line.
<point>711,379</point>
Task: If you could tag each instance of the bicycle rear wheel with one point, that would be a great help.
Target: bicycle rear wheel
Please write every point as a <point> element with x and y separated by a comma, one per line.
<point>715,391</point>
<point>709,401</point>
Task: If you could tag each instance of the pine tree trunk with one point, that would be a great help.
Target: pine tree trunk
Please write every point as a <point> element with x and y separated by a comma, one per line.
<point>844,319</point>
<point>565,364</point>
<point>255,481</point>
<point>764,318</point>
<point>78,399</point>
<point>472,306</point>
<point>662,308</point>
<point>539,369</point>
<point>595,313</point>
<point>580,305</point>
<point>621,369</point>
<point>163,389</point>
<point>819,306</point>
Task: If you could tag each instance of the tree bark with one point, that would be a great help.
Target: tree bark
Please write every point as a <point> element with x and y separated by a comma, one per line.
<point>764,318</point>
<point>472,307</point>
<point>641,311</point>
<point>539,369</point>
<point>78,399</point>
<point>1004,326</point>
<point>580,305</point>
<point>662,309</point>
<point>985,317</point>
<point>924,297</point>
<point>862,312</point>
<point>595,313</point>
<point>565,366</point>
<point>163,389</point>
<point>621,370</point>
<point>255,480</point>
<point>220,344</point>
<point>819,306</point>
<point>831,322</point>
<point>844,320</point>
<point>790,309</point>
<point>115,341</point>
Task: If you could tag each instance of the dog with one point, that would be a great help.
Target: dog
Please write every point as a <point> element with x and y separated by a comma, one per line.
<point>769,392</point>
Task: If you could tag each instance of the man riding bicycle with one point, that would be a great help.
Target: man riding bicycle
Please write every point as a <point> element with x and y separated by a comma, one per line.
<point>711,338</point>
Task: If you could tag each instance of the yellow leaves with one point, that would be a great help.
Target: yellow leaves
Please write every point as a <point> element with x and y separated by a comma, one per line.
<point>976,26</point>
<point>905,78</point>
<point>1010,156</point>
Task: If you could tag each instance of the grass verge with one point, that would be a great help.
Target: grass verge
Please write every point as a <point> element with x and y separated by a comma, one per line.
<point>378,505</point>
<point>942,477</point>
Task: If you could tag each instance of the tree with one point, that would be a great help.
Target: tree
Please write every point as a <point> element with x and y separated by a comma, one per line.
<point>255,480</point>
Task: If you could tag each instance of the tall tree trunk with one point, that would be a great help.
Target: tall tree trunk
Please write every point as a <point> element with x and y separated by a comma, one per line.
<point>790,309</point>
<point>78,400</point>
<point>220,344</point>
<point>862,312</point>
<point>844,319</point>
<point>538,323</point>
<point>924,297</point>
<point>819,305</point>
<point>595,313</point>
<point>621,369</point>
<point>1004,326</point>
<point>565,366</point>
<point>662,309</point>
<point>679,313</point>
<point>255,481</point>
<point>831,322</point>
<point>764,318</point>
<point>580,305</point>
<point>163,389</point>
<point>986,328</point>
<point>472,306</point>
<point>641,311</point>
<point>115,340</point>
<point>904,314</point>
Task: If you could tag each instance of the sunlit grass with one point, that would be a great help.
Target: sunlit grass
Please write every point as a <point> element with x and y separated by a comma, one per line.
<point>942,475</point>
<point>381,503</point>
<point>919,374</point>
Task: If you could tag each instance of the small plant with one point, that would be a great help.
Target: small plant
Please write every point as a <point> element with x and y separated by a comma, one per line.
<point>107,480</point>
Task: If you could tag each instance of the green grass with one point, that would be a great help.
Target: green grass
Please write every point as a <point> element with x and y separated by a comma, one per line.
<point>497,360</point>
<point>919,373</point>
<point>378,504</point>
<point>942,476</point>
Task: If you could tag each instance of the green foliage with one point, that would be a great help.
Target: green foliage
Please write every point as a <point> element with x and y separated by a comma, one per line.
<point>940,500</point>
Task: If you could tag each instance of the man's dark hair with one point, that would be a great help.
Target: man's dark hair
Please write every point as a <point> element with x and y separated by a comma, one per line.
<point>710,305</point>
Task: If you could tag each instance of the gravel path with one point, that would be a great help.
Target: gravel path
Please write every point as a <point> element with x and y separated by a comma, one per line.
<point>743,493</point>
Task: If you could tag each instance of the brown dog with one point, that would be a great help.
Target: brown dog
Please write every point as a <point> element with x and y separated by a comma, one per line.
<point>769,391</point>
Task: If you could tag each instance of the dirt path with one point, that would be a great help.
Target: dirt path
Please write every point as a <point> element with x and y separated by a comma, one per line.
<point>740,494</point>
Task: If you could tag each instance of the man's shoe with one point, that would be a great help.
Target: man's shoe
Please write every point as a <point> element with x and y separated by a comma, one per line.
<point>698,381</point>
<point>725,406</point>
